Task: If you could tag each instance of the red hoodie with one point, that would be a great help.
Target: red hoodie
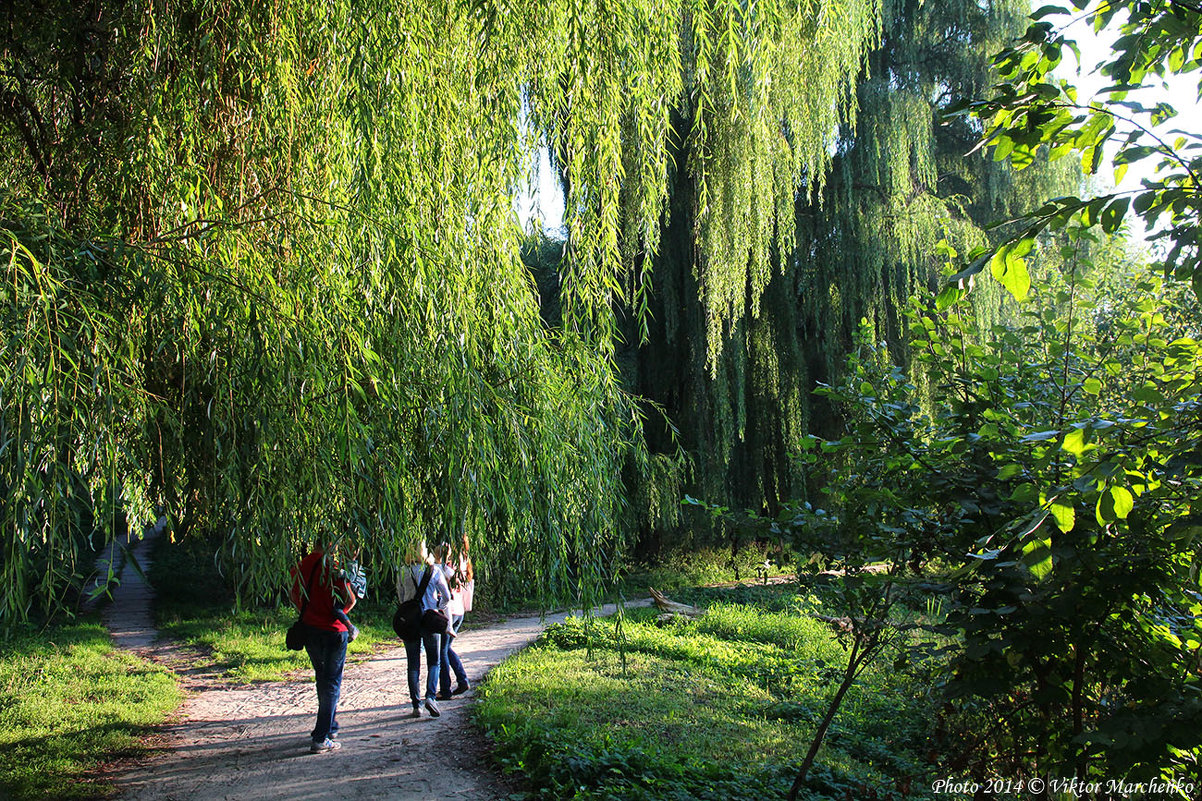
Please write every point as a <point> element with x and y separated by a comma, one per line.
<point>320,612</point>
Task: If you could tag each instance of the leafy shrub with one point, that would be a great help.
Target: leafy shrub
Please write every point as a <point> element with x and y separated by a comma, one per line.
<point>1058,471</point>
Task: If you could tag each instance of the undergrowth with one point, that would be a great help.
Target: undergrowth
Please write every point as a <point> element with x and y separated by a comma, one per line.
<point>708,566</point>
<point>721,707</point>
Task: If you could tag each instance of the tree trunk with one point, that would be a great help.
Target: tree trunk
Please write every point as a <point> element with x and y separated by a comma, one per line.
<point>862,647</point>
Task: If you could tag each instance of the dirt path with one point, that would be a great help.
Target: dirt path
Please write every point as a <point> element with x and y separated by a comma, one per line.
<point>251,743</point>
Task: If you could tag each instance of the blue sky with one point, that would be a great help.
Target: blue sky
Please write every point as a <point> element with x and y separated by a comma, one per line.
<point>546,203</point>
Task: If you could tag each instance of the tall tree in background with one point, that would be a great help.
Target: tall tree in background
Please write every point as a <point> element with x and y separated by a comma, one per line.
<point>261,262</point>
<point>867,237</point>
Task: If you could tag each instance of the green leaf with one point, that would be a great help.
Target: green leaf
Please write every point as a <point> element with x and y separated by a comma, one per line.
<point>1074,442</point>
<point>1120,172</point>
<point>1037,557</point>
<point>973,268</point>
<point>1123,501</point>
<point>948,297</point>
<point>1025,493</point>
<point>1112,215</point>
<point>1064,515</point>
<point>1009,471</point>
<point>1115,504</point>
<point>1148,393</point>
<point>1047,11</point>
<point>1010,269</point>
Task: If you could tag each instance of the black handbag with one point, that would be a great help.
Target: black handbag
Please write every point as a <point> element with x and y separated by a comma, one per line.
<point>435,621</point>
<point>298,633</point>
<point>296,636</point>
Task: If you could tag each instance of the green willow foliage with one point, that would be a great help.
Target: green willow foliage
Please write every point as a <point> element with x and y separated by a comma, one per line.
<point>910,186</point>
<point>867,237</point>
<point>262,268</point>
<point>746,98</point>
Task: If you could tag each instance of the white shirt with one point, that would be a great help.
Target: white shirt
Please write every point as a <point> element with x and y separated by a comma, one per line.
<point>409,578</point>
<point>456,605</point>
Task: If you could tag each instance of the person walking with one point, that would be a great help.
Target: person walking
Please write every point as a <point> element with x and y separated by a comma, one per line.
<point>352,572</point>
<point>316,588</point>
<point>449,661</point>
<point>467,576</point>
<point>420,577</point>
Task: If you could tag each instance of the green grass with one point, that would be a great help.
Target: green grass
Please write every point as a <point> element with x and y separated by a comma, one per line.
<point>69,703</point>
<point>697,568</point>
<point>722,707</point>
<point>242,644</point>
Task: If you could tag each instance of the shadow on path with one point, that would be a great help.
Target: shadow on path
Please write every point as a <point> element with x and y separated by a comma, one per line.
<point>250,743</point>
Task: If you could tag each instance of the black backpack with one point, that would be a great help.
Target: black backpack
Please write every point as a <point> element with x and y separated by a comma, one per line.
<point>407,621</point>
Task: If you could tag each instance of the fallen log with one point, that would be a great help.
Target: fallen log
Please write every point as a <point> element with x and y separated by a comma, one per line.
<point>668,606</point>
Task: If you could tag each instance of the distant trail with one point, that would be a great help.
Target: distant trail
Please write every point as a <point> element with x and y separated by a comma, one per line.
<point>251,743</point>
<point>128,617</point>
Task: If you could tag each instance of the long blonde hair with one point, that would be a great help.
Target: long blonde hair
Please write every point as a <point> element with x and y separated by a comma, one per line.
<point>415,553</point>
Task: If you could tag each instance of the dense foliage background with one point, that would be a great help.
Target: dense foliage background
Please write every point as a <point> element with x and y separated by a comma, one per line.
<point>262,262</point>
<point>262,273</point>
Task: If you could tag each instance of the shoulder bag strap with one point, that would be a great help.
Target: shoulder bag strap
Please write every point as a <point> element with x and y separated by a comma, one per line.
<point>420,590</point>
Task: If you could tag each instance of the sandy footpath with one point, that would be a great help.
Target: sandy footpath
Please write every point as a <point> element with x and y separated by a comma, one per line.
<point>251,742</point>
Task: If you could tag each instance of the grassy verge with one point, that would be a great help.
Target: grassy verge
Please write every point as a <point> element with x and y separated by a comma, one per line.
<point>69,703</point>
<point>722,707</point>
<point>698,568</point>
<point>243,644</point>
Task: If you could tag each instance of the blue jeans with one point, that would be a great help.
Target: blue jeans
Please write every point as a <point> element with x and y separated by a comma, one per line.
<point>450,661</point>
<point>327,652</point>
<point>413,658</point>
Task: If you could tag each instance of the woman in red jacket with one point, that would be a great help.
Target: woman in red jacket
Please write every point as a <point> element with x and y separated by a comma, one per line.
<point>315,583</point>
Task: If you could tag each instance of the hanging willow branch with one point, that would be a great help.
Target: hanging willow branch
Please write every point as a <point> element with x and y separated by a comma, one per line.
<point>316,350</point>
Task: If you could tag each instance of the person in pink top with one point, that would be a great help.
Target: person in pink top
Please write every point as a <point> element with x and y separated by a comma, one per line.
<point>462,582</point>
<point>467,576</point>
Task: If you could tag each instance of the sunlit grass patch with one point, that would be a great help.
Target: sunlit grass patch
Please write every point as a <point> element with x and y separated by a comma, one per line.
<point>248,645</point>
<point>697,568</point>
<point>70,702</point>
<point>721,707</point>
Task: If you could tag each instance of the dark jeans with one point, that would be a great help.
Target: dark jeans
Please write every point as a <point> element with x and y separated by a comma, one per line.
<point>450,661</point>
<point>327,652</point>
<point>413,658</point>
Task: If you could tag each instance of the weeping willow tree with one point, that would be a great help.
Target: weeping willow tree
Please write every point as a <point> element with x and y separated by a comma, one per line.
<point>261,262</point>
<point>902,190</point>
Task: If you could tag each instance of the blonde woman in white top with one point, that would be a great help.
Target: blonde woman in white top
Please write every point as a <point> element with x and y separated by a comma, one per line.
<point>437,595</point>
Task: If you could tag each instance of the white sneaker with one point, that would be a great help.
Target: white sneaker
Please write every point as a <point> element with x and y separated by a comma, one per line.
<point>432,707</point>
<point>324,746</point>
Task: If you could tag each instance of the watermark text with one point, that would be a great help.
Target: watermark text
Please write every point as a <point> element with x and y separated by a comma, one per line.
<point>1077,788</point>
